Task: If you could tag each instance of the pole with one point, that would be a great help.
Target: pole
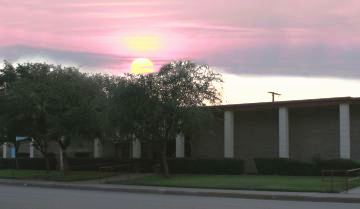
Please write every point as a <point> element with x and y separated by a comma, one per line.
<point>273,95</point>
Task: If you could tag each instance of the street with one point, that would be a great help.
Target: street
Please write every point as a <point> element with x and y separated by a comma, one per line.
<point>14,197</point>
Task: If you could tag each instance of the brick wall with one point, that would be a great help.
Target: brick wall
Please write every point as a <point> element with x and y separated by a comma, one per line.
<point>314,132</point>
<point>256,135</point>
<point>355,131</point>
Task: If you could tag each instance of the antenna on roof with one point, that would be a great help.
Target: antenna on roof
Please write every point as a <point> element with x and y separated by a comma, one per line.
<point>273,95</point>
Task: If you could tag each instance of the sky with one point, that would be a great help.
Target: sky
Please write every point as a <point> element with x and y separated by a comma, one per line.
<point>301,49</point>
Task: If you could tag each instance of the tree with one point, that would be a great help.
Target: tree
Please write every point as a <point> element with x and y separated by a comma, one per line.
<point>77,108</point>
<point>52,103</point>
<point>158,106</point>
<point>23,102</point>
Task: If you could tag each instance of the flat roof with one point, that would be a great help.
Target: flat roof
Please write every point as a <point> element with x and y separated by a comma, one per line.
<point>291,103</point>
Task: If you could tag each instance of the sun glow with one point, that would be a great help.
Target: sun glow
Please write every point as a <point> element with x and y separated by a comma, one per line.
<point>142,66</point>
<point>144,43</point>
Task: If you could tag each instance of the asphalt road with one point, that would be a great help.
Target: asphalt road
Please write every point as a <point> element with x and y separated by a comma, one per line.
<point>14,197</point>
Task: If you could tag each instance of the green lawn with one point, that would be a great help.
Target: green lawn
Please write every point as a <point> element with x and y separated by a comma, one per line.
<point>251,182</point>
<point>51,175</point>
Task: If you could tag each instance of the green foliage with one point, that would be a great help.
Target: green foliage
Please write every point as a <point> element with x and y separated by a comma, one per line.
<point>52,103</point>
<point>244,182</point>
<point>27,163</point>
<point>193,166</point>
<point>93,164</point>
<point>48,102</point>
<point>56,103</point>
<point>280,166</point>
<point>132,109</point>
<point>207,166</point>
<point>52,175</point>
<point>336,164</point>
<point>158,106</point>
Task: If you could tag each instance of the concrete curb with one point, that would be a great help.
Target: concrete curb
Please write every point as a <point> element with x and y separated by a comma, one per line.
<point>289,196</point>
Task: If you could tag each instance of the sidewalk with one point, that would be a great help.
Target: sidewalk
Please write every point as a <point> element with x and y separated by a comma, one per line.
<point>352,197</point>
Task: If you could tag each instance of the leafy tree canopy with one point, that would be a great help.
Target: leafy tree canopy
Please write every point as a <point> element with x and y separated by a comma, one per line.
<point>158,106</point>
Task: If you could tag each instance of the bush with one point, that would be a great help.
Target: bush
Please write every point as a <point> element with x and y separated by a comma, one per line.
<point>82,154</point>
<point>90,164</point>
<point>36,163</point>
<point>282,166</point>
<point>27,163</point>
<point>279,166</point>
<point>93,164</point>
<point>206,166</point>
<point>7,163</point>
<point>336,164</point>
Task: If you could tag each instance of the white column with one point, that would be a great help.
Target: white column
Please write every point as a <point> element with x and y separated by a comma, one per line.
<point>344,127</point>
<point>32,149</point>
<point>283,132</point>
<point>180,146</point>
<point>12,150</point>
<point>228,134</point>
<point>136,149</point>
<point>98,148</point>
<point>5,150</point>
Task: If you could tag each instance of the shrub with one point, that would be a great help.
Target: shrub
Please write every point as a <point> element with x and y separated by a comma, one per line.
<point>279,166</point>
<point>7,163</point>
<point>27,163</point>
<point>93,164</point>
<point>336,164</point>
<point>36,163</point>
<point>90,164</point>
<point>266,166</point>
<point>82,154</point>
<point>206,166</point>
<point>282,166</point>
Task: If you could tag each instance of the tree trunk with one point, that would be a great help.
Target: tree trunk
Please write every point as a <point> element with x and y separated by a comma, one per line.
<point>164,161</point>
<point>46,157</point>
<point>42,146</point>
<point>16,157</point>
<point>63,160</point>
<point>47,162</point>
<point>16,163</point>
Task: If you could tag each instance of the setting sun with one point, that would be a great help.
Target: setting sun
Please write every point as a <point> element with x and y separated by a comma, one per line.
<point>142,66</point>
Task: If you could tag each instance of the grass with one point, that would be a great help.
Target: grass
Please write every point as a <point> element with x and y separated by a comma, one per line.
<point>51,175</point>
<point>246,182</point>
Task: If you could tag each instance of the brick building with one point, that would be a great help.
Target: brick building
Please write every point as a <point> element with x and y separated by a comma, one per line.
<point>301,130</point>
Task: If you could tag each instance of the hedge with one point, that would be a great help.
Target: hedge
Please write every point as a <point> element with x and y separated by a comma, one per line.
<point>93,164</point>
<point>191,166</point>
<point>281,166</point>
<point>337,164</point>
<point>27,163</point>
<point>206,166</point>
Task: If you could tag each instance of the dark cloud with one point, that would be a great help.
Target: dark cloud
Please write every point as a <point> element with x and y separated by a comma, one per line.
<point>92,62</point>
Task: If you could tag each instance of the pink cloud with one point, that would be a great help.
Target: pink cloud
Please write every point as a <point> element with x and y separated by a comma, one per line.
<point>187,28</point>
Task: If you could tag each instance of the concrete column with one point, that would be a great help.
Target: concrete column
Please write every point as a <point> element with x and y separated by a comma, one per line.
<point>344,128</point>
<point>98,148</point>
<point>5,150</point>
<point>136,149</point>
<point>228,134</point>
<point>32,149</point>
<point>180,146</point>
<point>12,151</point>
<point>283,132</point>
